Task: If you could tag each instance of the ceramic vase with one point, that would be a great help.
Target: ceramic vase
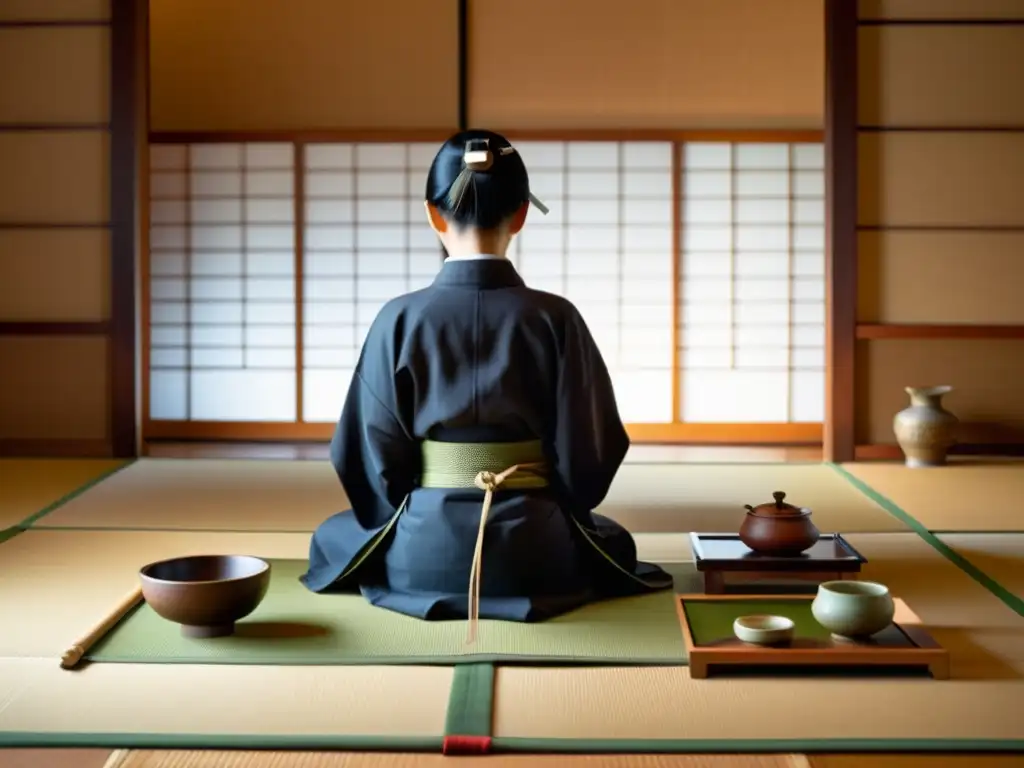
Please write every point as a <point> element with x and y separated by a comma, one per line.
<point>925,431</point>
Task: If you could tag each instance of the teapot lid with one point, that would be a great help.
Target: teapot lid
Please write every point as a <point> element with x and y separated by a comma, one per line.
<point>777,508</point>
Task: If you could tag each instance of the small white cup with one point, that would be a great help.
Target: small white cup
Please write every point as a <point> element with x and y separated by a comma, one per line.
<point>763,630</point>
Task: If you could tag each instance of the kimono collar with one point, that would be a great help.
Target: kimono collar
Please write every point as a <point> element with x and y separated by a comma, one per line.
<point>474,257</point>
<point>479,273</point>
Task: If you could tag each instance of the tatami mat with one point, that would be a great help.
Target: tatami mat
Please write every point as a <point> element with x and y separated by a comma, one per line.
<point>296,496</point>
<point>153,759</point>
<point>228,705</point>
<point>1000,555</point>
<point>211,494</point>
<point>95,568</point>
<point>985,639</point>
<point>711,497</point>
<point>54,758</point>
<point>30,485</point>
<point>916,761</point>
<point>602,709</point>
<point>966,495</point>
<point>295,626</point>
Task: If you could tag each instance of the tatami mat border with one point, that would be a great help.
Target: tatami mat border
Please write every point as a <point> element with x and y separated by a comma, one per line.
<point>506,744</point>
<point>315,742</point>
<point>469,721</point>
<point>746,746</point>
<point>1013,602</point>
<point>10,533</point>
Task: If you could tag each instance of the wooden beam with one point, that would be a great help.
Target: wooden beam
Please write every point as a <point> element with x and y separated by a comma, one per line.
<point>54,449</point>
<point>678,190</point>
<point>729,135</point>
<point>52,23</point>
<point>127,25</point>
<point>941,129</point>
<point>463,11</point>
<point>46,225</point>
<point>440,134</point>
<point>840,226</point>
<point>54,328</point>
<point>668,434</point>
<point>877,331</point>
<point>976,22</point>
<point>299,267</point>
<point>317,136</point>
<point>53,127</point>
<point>785,433</point>
<point>989,228</point>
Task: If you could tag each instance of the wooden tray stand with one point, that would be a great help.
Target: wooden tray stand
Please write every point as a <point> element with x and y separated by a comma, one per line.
<point>921,651</point>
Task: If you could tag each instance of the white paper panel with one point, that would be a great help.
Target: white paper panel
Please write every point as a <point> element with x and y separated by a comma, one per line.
<point>607,246</point>
<point>222,282</point>
<point>752,283</point>
<point>366,241</point>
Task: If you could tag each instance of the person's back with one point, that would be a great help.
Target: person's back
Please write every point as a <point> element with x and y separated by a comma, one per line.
<point>456,384</point>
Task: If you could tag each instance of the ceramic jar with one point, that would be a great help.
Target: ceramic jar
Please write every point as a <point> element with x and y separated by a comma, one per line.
<point>778,528</point>
<point>925,430</point>
<point>853,609</point>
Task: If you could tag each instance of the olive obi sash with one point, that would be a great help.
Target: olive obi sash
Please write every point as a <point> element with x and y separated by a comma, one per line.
<point>487,466</point>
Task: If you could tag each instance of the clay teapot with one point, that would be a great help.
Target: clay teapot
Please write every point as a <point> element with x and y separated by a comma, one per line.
<point>778,528</point>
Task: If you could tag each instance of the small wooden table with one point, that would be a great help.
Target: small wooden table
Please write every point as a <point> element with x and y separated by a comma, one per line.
<point>726,562</point>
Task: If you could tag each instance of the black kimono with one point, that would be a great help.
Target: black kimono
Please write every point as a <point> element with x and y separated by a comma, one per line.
<point>478,357</point>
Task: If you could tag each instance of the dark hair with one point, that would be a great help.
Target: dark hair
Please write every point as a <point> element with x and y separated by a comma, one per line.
<point>483,199</point>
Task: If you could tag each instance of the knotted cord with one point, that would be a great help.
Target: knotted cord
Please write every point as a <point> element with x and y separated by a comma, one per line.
<point>488,482</point>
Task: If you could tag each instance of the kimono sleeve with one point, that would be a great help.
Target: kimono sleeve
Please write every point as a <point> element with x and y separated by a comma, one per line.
<point>590,440</point>
<point>373,452</point>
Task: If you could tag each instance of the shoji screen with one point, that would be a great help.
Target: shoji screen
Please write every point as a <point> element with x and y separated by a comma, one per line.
<point>607,246</point>
<point>231,222</point>
<point>366,241</point>
<point>222,283</point>
<point>752,311</point>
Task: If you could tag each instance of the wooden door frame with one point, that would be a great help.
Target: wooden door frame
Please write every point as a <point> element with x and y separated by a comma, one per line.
<point>841,170</point>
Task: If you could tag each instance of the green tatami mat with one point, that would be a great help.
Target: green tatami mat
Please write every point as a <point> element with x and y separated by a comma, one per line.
<point>296,627</point>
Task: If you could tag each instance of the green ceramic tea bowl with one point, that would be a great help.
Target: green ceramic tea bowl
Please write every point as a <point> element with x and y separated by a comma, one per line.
<point>853,609</point>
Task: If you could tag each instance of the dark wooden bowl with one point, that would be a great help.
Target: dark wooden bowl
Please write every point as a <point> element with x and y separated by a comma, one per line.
<point>206,594</point>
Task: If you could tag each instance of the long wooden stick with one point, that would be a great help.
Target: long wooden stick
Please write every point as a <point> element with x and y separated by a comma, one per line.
<point>80,647</point>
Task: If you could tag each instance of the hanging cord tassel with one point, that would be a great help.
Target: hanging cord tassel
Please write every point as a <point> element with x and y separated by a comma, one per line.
<point>488,482</point>
<point>477,158</point>
<point>457,191</point>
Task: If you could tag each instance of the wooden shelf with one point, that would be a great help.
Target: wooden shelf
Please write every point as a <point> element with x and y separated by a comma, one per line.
<point>939,332</point>
<point>892,452</point>
<point>53,328</point>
